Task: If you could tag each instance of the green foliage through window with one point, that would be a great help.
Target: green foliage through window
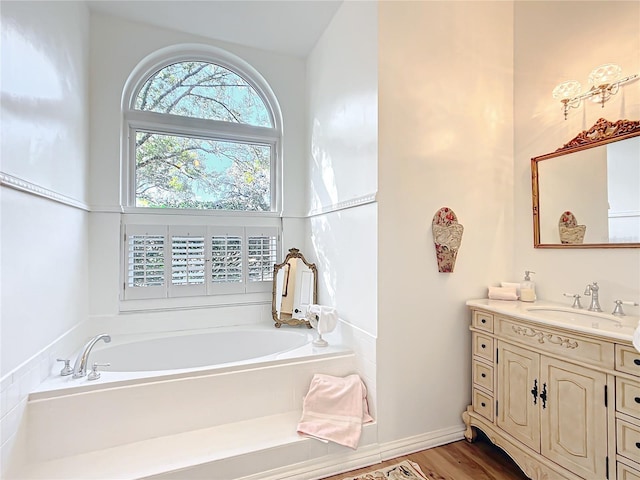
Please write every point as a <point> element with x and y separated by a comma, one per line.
<point>204,170</point>
<point>185,172</point>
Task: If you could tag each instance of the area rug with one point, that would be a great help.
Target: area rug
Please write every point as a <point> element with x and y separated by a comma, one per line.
<point>405,470</point>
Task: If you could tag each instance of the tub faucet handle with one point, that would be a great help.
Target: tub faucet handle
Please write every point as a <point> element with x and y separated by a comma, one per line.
<point>94,374</point>
<point>66,370</point>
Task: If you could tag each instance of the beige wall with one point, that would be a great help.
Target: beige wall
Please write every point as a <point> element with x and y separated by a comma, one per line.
<point>445,139</point>
<point>554,42</point>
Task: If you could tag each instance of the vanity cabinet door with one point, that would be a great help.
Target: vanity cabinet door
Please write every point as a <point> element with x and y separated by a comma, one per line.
<point>518,413</point>
<point>573,420</point>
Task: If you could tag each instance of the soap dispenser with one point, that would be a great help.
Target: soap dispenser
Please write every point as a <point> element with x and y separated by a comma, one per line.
<point>527,288</point>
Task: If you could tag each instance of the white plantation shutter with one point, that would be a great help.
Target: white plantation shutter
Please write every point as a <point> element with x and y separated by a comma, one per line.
<point>262,247</point>
<point>145,261</point>
<point>181,261</point>
<point>226,272</point>
<point>187,261</point>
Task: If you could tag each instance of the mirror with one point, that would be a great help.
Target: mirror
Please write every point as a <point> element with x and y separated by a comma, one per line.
<point>586,194</point>
<point>295,286</point>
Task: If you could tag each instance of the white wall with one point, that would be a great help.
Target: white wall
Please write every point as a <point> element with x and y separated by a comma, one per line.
<point>44,253</point>
<point>554,42</point>
<point>117,46</point>
<point>623,179</point>
<point>445,139</point>
<point>343,122</point>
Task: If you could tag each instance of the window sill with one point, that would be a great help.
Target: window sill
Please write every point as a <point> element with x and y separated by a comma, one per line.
<point>196,212</point>
<point>188,303</point>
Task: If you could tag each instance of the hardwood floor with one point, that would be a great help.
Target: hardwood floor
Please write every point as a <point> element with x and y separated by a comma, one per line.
<point>460,460</point>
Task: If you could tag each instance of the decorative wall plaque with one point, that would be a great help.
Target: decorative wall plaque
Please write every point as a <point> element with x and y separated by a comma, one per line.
<point>447,236</point>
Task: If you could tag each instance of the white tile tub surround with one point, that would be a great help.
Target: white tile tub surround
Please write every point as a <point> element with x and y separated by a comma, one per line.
<point>363,345</point>
<point>16,386</point>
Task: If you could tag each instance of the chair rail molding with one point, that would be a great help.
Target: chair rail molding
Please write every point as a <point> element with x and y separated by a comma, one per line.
<point>16,183</point>
<point>345,204</point>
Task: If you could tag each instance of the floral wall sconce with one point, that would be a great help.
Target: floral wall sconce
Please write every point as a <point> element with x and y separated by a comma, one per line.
<point>447,236</point>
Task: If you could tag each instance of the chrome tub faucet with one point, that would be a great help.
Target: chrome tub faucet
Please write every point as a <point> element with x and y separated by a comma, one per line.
<point>592,290</point>
<point>80,367</point>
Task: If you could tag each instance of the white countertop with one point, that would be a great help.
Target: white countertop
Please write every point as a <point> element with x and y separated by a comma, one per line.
<point>563,316</point>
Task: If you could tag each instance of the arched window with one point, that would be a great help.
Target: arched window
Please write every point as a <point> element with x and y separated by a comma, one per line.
<point>201,137</point>
<point>203,133</point>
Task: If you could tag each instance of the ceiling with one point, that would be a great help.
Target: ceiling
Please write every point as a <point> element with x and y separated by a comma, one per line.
<point>290,27</point>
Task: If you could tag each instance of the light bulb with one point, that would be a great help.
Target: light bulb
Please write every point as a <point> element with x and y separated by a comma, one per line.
<point>605,75</point>
<point>566,90</point>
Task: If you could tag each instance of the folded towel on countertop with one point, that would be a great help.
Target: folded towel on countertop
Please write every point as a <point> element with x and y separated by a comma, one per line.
<point>512,285</point>
<point>503,293</point>
<point>334,409</point>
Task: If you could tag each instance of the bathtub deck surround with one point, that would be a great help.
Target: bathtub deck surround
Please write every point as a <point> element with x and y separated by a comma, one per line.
<point>250,449</point>
<point>556,388</point>
<point>213,421</point>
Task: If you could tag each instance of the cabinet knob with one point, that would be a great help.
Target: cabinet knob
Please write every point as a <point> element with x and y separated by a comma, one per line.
<point>636,361</point>
<point>484,405</point>
<point>484,320</point>
<point>637,444</point>
<point>483,346</point>
<point>637,399</point>
<point>484,375</point>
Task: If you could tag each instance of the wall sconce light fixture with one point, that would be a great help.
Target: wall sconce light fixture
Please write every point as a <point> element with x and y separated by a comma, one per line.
<point>605,81</point>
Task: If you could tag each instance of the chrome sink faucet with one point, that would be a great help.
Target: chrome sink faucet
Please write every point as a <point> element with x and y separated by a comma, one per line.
<point>592,290</point>
<point>576,299</point>
<point>80,367</point>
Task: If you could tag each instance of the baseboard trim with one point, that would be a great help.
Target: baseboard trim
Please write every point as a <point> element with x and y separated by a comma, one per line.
<point>323,467</point>
<point>408,445</point>
<point>366,456</point>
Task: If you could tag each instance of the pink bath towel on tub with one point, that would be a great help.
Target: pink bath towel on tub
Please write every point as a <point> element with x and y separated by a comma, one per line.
<point>334,409</point>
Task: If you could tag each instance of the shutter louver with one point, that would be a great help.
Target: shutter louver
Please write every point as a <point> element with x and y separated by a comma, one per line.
<point>187,260</point>
<point>145,264</point>
<point>226,259</point>
<point>261,256</point>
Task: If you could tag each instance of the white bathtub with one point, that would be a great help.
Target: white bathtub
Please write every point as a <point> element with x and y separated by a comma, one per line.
<point>142,358</point>
<point>188,350</point>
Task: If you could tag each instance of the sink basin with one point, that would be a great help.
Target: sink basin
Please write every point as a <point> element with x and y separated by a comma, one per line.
<point>575,316</point>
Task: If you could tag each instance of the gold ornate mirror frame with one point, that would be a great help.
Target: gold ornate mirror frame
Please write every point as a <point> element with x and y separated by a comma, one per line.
<point>602,133</point>
<point>285,318</point>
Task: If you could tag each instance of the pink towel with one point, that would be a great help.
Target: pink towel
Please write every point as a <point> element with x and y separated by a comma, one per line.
<point>334,409</point>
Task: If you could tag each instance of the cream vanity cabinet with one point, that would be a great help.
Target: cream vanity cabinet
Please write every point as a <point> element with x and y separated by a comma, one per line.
<point>563,404</point>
